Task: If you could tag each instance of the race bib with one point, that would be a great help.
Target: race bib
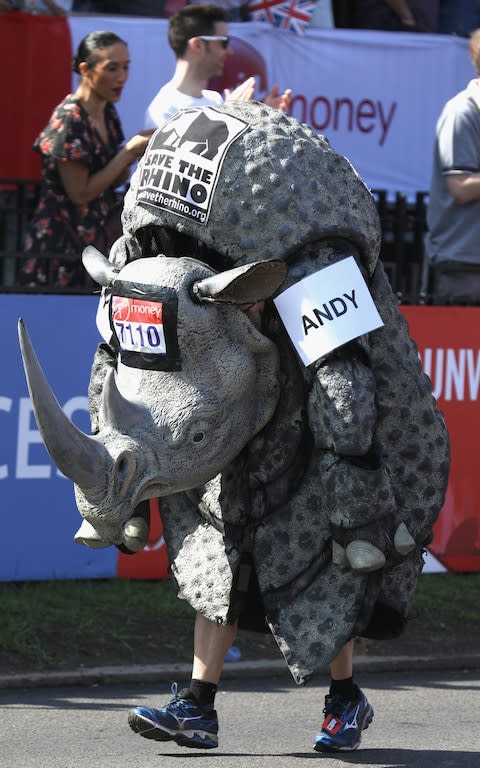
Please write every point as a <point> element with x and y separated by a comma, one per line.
<point>143,326</point>
<point>138,325</point>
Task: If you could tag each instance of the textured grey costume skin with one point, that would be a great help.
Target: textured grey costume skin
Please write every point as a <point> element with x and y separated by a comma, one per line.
<point>283,193</point>
<point>356,445</point>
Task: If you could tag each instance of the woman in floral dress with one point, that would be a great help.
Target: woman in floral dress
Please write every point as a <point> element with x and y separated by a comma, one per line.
<point>84,160</point>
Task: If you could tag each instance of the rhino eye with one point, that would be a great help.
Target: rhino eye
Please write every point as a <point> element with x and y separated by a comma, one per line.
<point>200,428</point>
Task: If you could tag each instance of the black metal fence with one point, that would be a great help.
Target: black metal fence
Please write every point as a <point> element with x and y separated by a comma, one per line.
<point>403,225</point>
<point>17,202</point>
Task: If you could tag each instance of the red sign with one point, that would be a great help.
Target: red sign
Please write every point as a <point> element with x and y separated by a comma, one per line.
<point>36,56</point>
<point>151,562</point>
<point>448,340</point>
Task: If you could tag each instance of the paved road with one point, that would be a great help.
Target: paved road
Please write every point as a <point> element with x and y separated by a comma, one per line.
<point>425,720</point>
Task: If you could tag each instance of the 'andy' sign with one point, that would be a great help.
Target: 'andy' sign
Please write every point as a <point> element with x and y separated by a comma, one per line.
<point>327,309</point>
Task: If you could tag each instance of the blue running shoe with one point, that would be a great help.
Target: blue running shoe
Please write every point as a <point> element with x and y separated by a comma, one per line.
<point>181,720</point>
<point>343,725</point>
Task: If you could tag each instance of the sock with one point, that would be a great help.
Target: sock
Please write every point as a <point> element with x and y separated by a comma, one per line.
<point>346,689</point>
<point>203,693</point>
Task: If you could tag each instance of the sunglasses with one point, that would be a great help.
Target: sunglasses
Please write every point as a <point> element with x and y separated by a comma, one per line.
<point>222,39</point>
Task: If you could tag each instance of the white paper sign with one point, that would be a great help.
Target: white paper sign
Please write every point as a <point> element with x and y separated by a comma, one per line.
<point>327,309</point>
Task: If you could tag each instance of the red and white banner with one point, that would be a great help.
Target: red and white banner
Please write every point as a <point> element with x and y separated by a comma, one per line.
<point>449,346</point>
<point>375,95</point>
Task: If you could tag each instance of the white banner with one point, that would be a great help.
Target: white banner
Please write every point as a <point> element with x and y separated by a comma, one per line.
<point>375,95</point>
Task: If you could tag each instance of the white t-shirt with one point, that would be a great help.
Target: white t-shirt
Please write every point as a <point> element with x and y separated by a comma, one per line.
<point>169,100</point>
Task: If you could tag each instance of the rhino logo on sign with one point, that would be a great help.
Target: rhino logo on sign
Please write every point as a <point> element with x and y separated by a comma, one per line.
<point>203,135</point>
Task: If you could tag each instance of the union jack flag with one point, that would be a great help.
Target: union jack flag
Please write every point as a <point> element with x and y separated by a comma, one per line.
<point>294,15</point>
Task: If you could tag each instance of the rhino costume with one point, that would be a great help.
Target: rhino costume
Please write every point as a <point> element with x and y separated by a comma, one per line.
<point>317,519</point>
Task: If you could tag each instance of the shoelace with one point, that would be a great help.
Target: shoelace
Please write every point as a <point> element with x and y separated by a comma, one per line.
<point>178,695</point>
<point>334,705</point>
<point>174,691</point>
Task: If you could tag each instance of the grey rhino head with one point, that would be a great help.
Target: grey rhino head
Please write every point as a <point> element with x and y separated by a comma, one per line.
<point>169,420</point>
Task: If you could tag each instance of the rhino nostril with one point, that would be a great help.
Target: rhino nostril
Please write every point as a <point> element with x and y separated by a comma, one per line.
<point>122,468</point>
<point>124,472</point>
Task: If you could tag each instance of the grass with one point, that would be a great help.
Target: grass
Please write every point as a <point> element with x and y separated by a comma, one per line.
<point>65,624</point>
<point>44,622</point>
<point>450,597</point>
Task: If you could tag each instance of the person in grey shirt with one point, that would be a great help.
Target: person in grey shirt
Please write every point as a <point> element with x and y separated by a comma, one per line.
<point>452,243</point>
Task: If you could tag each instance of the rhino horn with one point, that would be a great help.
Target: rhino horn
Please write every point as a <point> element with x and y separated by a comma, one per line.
<point>403,540</point>
<point>78,456</point>
<point>88,536</point>
<point>117,411</point>
<point>242,285</point>
<point>98,266</point>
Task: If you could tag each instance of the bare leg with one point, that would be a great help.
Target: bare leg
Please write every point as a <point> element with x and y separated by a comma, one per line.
<point>190,718</point>
<point>211,642</point>
<point>341,667</point>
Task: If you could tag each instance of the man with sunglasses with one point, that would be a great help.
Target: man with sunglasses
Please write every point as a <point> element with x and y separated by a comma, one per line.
<point>198,36</point>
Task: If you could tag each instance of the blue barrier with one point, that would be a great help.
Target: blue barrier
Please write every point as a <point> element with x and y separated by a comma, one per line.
<point>37,507</point>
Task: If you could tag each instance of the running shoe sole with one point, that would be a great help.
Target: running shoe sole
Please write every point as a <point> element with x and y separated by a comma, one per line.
<point>188,738</point>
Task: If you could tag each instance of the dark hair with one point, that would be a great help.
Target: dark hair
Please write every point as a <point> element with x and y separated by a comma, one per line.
<point>89,46</point>
<point>193,21</point>
<point>474,48</point>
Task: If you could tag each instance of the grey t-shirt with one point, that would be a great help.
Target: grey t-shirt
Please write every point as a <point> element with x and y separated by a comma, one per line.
<point>454,229</point>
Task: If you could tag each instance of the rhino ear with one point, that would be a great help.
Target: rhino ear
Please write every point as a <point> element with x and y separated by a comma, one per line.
<point>98,267</point>
<point>243,285</point>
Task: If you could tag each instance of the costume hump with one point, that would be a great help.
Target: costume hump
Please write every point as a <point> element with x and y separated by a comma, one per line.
<point>329,477</point>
